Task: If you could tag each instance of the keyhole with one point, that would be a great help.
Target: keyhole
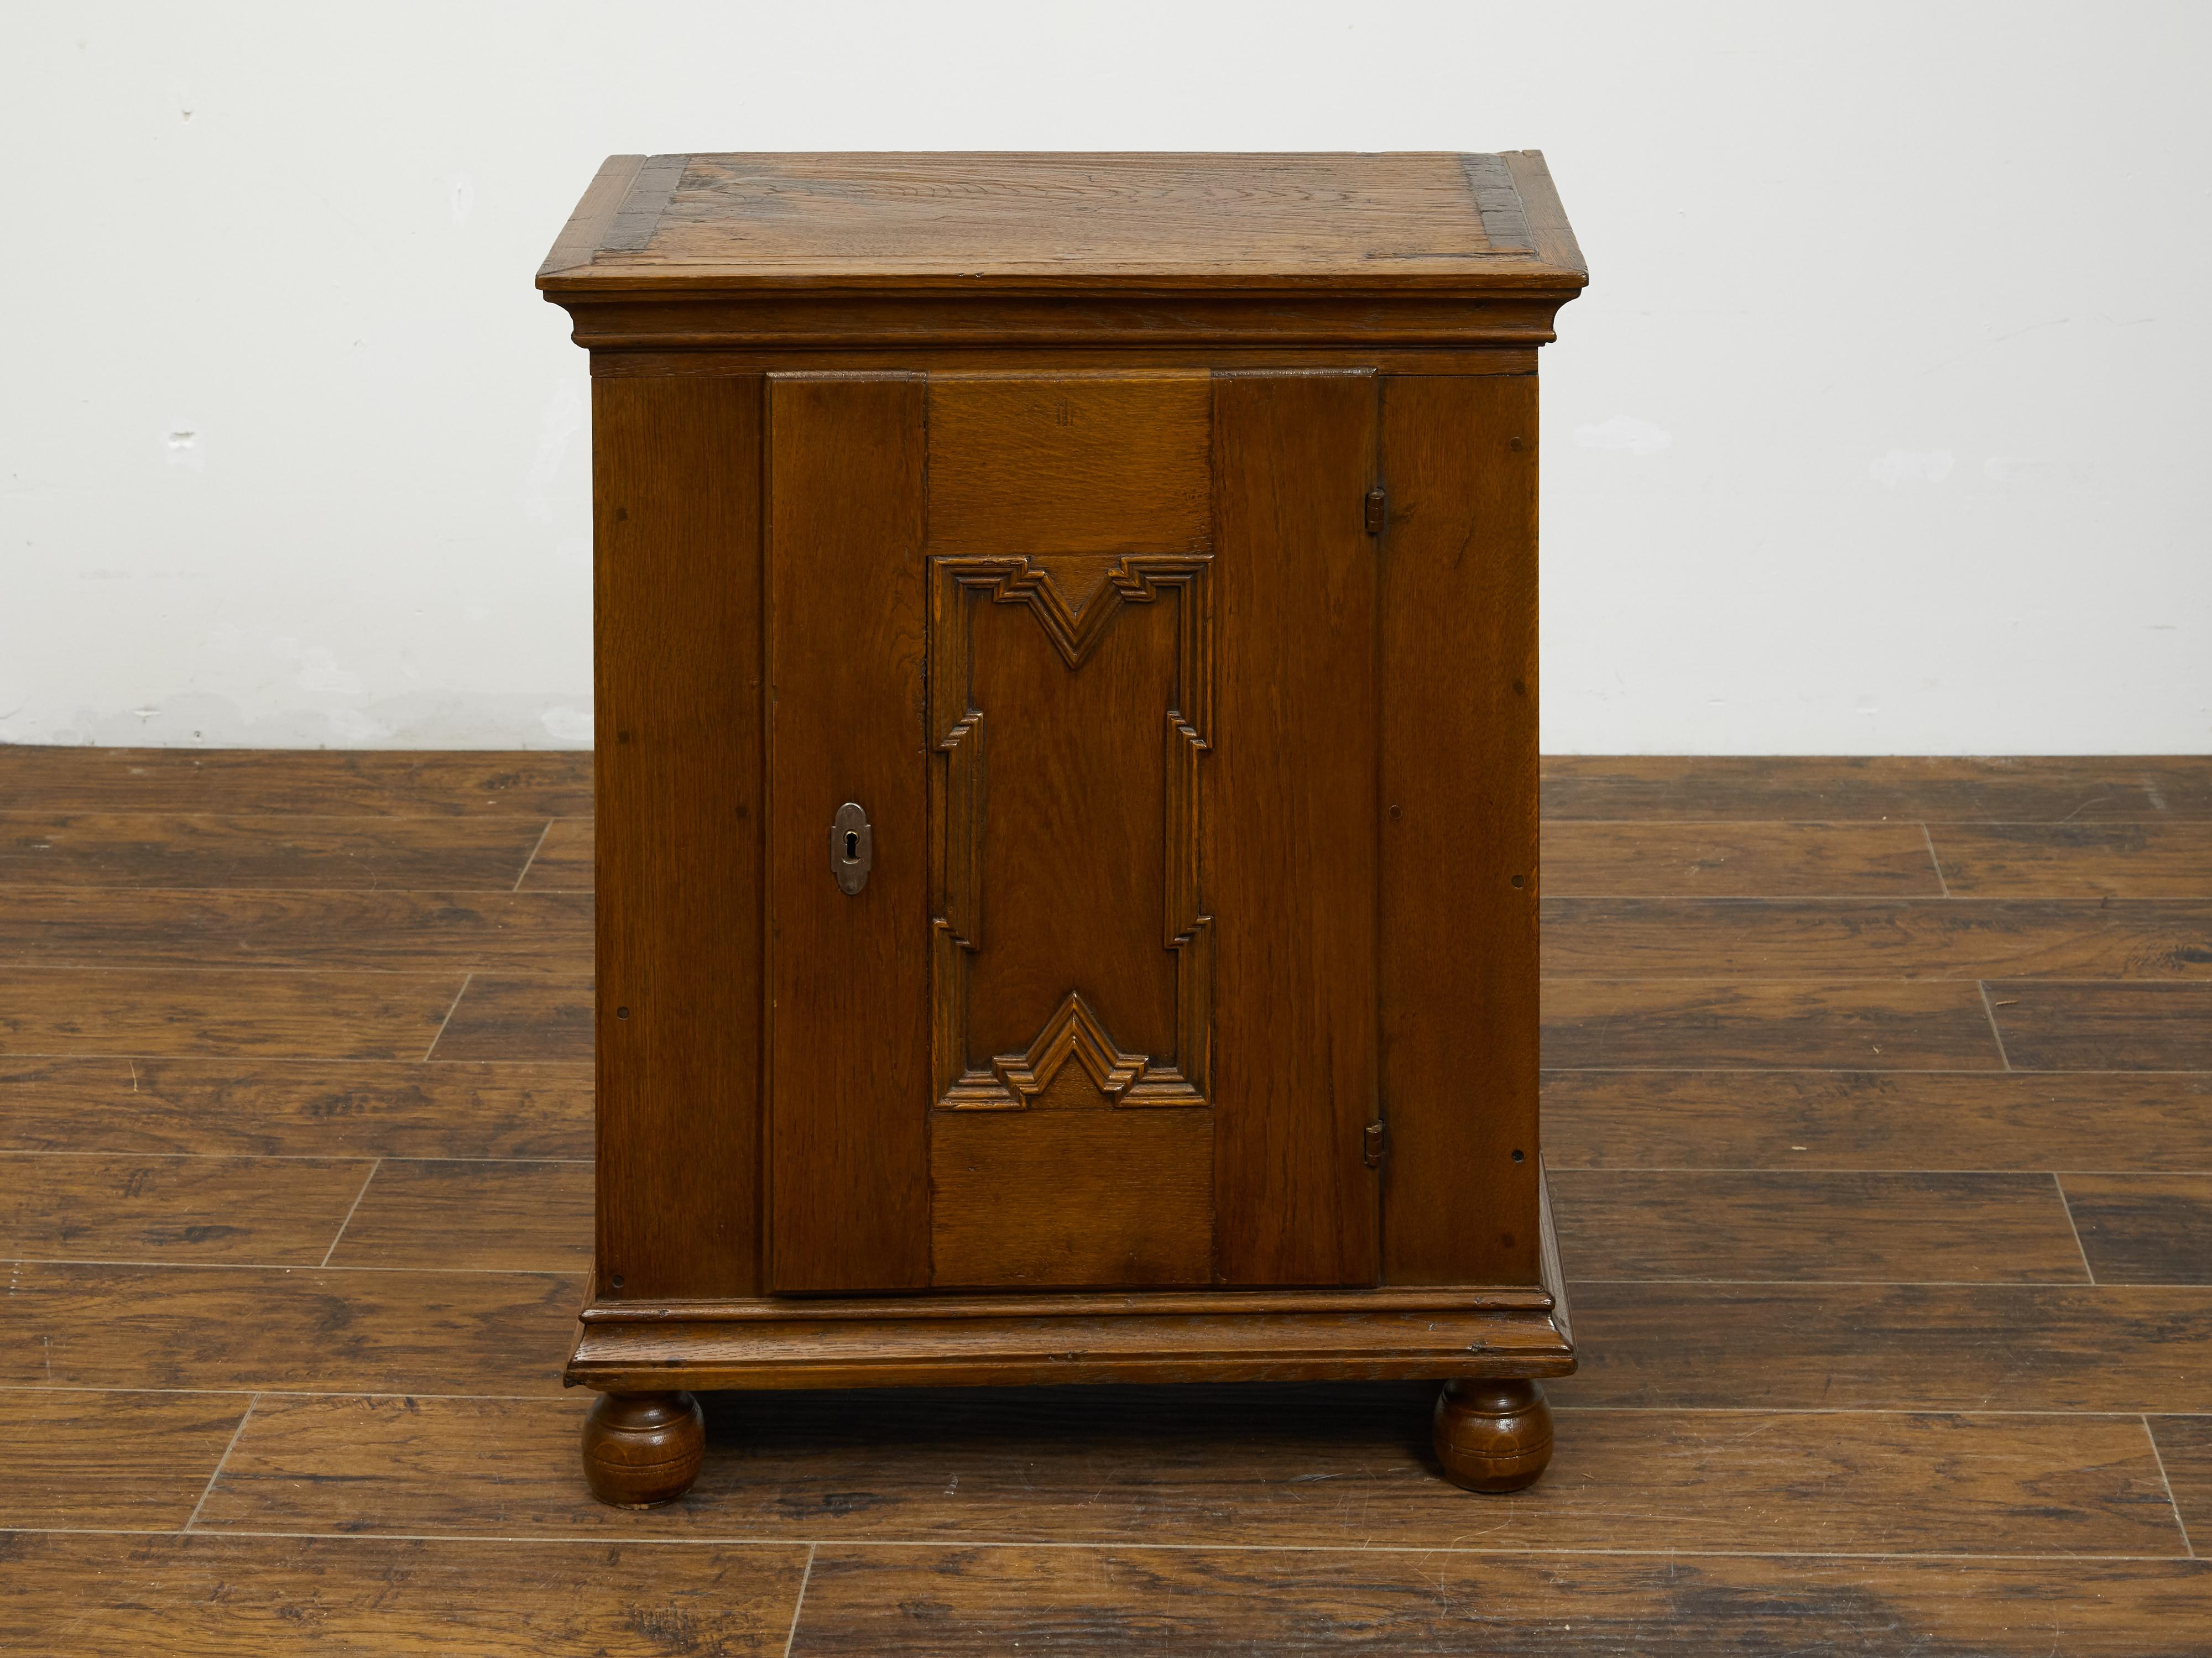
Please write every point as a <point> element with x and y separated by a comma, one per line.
<point>852,846</point>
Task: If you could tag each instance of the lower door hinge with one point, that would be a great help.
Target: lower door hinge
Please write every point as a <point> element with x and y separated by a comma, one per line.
<point>1376,1141</point>
<point>1377,503</point>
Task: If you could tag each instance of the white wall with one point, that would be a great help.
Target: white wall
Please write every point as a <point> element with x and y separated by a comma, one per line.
<point>1883,428</point>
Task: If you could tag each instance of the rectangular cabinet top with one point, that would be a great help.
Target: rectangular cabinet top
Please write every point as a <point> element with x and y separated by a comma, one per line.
<point>1403,221</point>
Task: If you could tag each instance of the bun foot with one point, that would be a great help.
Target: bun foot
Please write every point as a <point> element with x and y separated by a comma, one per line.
<point>1492,1435</point>
<point>643,1448</point>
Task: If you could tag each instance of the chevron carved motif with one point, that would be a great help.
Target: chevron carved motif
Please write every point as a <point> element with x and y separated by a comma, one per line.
<point>1007,1082</point>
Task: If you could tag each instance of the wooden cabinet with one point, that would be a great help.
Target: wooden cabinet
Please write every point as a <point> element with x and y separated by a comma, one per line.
<point>1066,756</point>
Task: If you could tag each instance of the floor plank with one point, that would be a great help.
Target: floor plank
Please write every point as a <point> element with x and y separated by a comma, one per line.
<point>2185,1448</point>
<point>1835,938</point>
<point>2105,1027</point>
<point>1876,1120</point>
<point>250,1328</point>
<point>1889,1346</point>
<point>282,1211</point>
<point>234,1014</point>
<point>1255,1465</point>
<point>531,1019</point>
<point>515,1216</point>
<point>950,1601</point>
<point>296,1108</point>
<point>180,849</point>
<point>109,926</point>
<point>1979,1227</point>
<point>564,862</point>
<point>1738,860</point>
<point>2048,789</point>
<point>2143,1229</point>
<point>307,782</point>
<point>199,1596</point>
<point>2076,860</point>
<point>110,1461</point>
<point>1907,1024</point>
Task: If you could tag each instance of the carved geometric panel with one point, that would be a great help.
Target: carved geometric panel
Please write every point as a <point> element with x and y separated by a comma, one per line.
<point>1071,1030</point>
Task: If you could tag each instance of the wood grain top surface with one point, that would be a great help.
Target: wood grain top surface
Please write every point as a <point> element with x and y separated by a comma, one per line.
<point>1016,222</point>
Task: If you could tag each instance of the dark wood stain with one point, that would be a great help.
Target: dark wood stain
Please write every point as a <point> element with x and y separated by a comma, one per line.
<point>1315,1466</point>
<point>2047,789</point>
<point>953,1600</point>
<point>2143,1229</point>
<point>540,1021</point>
<point>563,859</point>
<point>397,931</point>
<point>1867,1025</point>
<point>285,783</point>
<point>2105,1027</point>
<point>1738,860</point>
<point>1806,937</point>
<point>296,1108</point>
<point>516,1216</point>
<point>63,1206</point>
<point>2155,859</point>
<point>218,1012</point>
<point>1753,1435</point>
<point>2185,1450</point>
<point>315,1330</point>
<point>1799,1119</point>
<point>101,1461</point>
<point>197,1594</point>
<point>178,849</point>
<point>1891,1346</point>
<point>1621,1224</point>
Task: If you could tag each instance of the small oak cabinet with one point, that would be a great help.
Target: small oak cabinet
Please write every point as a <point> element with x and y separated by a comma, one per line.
<point>1066,779</point>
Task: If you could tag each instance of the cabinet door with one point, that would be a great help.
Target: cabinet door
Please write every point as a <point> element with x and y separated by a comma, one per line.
<point>1091,659</point>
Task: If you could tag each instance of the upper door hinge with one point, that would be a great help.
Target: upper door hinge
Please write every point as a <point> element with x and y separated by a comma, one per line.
<point>1378,502</point>
<point>1376,1140</point>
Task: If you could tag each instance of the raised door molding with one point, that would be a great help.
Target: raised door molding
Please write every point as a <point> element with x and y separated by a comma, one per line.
<point>1005,1082</point>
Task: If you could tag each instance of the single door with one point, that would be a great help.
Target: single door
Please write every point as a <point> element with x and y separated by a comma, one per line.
<point>1080,987</point>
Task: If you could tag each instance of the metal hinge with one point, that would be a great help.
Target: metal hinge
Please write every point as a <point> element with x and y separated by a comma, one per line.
<point>1378,502</point>
<point>1376,1139</point>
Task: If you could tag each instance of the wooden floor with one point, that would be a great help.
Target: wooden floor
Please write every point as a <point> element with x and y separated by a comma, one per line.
<point>1879,1119</point>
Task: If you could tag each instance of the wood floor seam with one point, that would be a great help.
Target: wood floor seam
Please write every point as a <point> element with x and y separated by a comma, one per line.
<point>330,1156</point>
<point>2073,1225</point>
<point>535,847</point>
<point>245,1417</point>
<point>142,1265</point>
<point>367,1179</point>
<point>466,979</point>
<point>798,1601</point>
<point>2158,1458</point>
<point>1142,1545</point>
<point>1996,1035</point>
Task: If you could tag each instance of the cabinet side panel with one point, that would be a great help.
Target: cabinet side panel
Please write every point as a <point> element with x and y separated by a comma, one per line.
<point>1292,845</point>
<point>849,1076</point>
<point>677,617</point>
<point>1460,1017</point>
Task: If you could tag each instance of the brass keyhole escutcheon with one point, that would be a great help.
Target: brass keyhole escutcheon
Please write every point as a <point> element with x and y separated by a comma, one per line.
<point>852,848</point>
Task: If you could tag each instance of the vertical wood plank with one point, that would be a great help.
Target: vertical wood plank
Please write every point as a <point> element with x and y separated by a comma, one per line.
<point>849,1085</point>
<point>677,607</point>
<point>1292,844</point>
<point>1458,739</point>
